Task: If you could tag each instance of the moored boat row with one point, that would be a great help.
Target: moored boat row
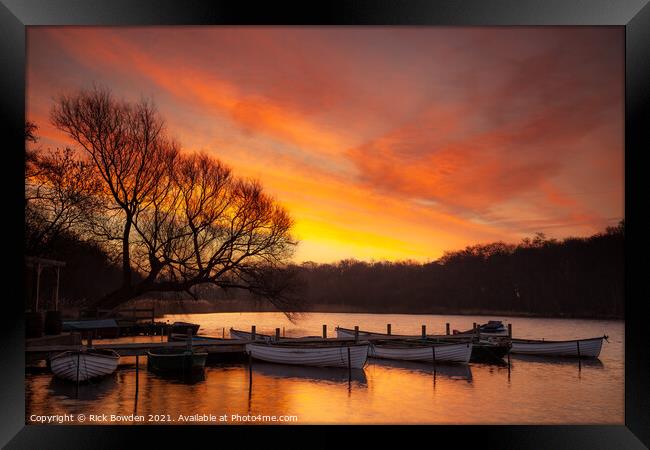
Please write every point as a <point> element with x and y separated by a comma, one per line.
<point>351,349</point>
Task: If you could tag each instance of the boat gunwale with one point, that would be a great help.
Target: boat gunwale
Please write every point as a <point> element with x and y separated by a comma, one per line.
<point>415,344</point>
<point>248,332</point>
<point>536,341</point>
<point>311,345</point>
<point>184,353</point>
<point>106,353</point>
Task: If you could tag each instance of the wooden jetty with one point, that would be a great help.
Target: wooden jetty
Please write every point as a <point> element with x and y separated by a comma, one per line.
<point>36,352</point>
<point>39,352</point>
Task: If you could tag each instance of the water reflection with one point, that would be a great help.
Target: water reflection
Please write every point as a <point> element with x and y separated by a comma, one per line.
<point>190,377</point>
<point>594,363</point>
<point>89,390</point>
<point>542,390</point>
<point>451,371</point>
<point>318,374</point>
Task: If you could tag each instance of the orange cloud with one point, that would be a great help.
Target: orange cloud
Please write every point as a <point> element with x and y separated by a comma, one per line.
<point>384,143</point>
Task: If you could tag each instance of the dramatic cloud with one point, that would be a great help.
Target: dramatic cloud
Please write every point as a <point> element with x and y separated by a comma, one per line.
<point>384,142</point>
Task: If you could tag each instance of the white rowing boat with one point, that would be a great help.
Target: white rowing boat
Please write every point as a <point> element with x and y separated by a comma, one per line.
<point>348,333</point>
<point>246,335</point>
<point>586,348</point>
<point>83,365</point>
<point>335,354</point>
<point>412,351</point>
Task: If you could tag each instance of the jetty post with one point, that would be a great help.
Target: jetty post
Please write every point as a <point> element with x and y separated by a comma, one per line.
<point>137,377</point>
<point>250,372</point>
<point>253,332</point>
<point>324,331</point>
<point>447,328</point>
<point>433,350</point>
<point>424,331</point>
<point>356,333</point>
<point>388,329</point>
<point>579,356</point>
<point>78,365</point>
<point>510,330</point>
<point>349,368</point>
<point>277,334</point>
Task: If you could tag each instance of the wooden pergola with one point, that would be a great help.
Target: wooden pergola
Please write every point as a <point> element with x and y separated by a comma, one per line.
<point>39,264</point>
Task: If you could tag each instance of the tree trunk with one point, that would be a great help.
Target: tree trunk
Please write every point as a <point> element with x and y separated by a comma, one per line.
<point>126,255</point>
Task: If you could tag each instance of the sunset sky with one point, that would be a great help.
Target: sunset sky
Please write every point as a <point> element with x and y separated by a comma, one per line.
<point>383,142</point>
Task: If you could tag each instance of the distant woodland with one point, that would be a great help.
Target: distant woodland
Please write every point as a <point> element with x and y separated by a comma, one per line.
<point>573,277</point>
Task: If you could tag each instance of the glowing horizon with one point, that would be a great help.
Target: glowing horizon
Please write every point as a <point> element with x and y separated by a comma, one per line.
<point>384,143</point>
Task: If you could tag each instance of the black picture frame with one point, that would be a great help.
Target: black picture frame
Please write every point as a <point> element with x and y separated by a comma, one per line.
<point>634,15</point>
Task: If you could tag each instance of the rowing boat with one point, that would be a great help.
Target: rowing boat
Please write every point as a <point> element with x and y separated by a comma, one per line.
<point>492,328</point>
<point>85,364</point>
<point>491,349</point>
<point>181,337</point>
<point>246,335</point>
<point>331,354</point>
<point>585,348</point>
<point>419,351</point>
<point>182,327</point>
<point>175,360</point>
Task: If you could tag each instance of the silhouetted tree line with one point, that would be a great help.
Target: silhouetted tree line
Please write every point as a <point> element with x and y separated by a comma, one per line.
<point>574,277</point>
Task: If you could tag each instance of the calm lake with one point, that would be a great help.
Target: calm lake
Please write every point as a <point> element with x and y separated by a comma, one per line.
<point>535,390</point>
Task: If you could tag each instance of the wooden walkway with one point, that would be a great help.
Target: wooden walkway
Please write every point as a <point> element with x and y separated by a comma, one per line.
<point>141,348</point>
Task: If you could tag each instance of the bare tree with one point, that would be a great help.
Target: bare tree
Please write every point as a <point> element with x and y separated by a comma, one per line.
<point>184,219</point>
<point>60,190</point>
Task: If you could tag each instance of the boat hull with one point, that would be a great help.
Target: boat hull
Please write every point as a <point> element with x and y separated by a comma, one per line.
<point>183,327</point>
<point>587,348</point>
<point>179,362</point>
<point>317,356</point>
<point>453,353</point>
<point>244,335</point>
<point>91,365</point>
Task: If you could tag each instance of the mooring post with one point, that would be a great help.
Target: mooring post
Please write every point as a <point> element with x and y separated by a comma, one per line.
<point>433,349</point>
<point>349,367</point>
<point>137,377</point>
<point>447,328</point>
<point>250,370</point>
<point>510,330</point>
<point>223,333</point>
<point>277,334</point>
<point>388,329</point>
<point>78,366</point>
<point>253,334</point>
<point>356,334</point>
<point>56,293</point>
<point>324,331</point>
<point>424,331</point>
<point>579,357</point>
<point>282,331</point>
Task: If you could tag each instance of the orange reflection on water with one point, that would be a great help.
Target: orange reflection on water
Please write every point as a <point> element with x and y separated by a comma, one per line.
<point>533,390</point>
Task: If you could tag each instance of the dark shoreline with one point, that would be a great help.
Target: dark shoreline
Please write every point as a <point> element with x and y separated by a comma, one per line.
<point>342,309</point>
